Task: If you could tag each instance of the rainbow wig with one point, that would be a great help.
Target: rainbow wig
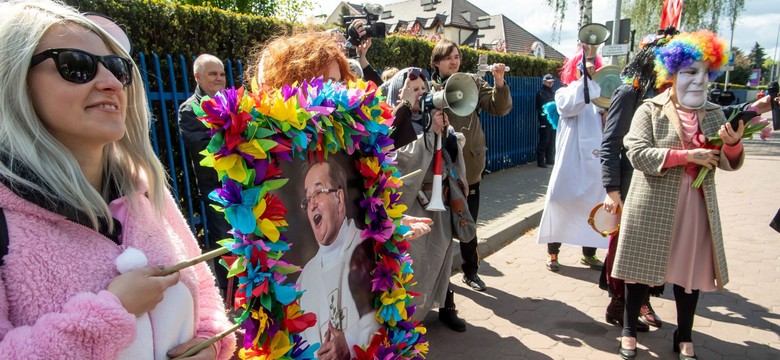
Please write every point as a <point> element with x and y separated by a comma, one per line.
<point>569,69</point>
<point>687,48</point>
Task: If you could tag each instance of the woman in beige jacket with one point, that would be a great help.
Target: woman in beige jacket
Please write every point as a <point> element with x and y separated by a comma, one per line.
<point>671,232</point>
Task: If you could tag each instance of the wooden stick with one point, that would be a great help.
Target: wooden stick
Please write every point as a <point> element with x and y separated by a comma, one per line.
<point>413,173</point>
<point>207,256</point>
<point>197,348</point>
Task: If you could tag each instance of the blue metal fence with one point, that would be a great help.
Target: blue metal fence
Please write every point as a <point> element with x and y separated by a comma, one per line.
<point>511,139</point>
<point>165,93</point>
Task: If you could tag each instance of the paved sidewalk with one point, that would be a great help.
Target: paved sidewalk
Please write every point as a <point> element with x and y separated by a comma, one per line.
<point>531,313</point>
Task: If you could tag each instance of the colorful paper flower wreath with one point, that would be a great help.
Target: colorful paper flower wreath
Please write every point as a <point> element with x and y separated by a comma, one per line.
<point>253,132</point>
<point>687,48</point>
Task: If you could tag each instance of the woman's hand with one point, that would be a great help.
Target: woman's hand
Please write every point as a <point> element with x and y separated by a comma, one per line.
<point>730,136</point>
<point>420,226</point>
<point>141,290</point>
<point>209,353</point>
<point>406,93</point>
<point>439,122</point>
<point>612,202</point>
<point>708,158</point>
<point>362,50</point>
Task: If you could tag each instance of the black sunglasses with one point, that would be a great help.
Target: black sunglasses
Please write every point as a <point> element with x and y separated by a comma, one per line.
<point>80,67</point>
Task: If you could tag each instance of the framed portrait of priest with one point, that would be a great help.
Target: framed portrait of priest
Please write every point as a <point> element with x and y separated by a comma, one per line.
<point>325,238</point>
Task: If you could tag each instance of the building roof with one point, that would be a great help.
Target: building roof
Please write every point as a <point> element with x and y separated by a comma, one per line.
<point>518,40</point>
<point>461,14</point>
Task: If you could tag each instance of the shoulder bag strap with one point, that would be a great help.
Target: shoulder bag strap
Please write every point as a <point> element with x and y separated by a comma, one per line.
<point>3,237</point>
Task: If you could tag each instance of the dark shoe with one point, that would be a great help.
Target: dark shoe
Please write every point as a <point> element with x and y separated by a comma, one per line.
<point>541,165</point>
<point>592,261</point>
<point>618,320</point>
<point>552,263</point>
<point>475,282</point>
<point>449,316</point>
<point>626,353</point>
<point>648,316</point>
<point>676,348</point>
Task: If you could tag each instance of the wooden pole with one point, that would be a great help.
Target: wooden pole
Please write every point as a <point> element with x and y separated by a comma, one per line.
<point>197,348</point>
<point>205,257</point>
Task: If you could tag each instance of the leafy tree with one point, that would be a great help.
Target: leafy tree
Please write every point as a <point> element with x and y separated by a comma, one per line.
<point>290,9</point>
<point>766,74</point>
<point>696,14</point>
<point>645,15</point>
<point>757,56</point>
<point>742,68</point>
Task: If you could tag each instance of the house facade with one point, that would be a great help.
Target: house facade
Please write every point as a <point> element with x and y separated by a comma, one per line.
<point>456,20</point>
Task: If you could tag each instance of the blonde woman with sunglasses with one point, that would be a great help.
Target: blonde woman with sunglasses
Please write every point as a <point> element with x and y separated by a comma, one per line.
<point>80,186</point>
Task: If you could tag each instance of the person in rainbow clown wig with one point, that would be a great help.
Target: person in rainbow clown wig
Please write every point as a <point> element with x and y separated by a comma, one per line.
<point>670,232</point>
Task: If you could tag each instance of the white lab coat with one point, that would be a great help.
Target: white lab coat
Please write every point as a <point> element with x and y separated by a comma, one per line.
<point>575,184</point>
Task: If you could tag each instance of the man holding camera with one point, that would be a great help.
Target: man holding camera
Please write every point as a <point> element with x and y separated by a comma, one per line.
<point>496,100</point>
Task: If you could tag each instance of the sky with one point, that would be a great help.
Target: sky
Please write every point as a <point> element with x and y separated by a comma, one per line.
<point>758,23</point>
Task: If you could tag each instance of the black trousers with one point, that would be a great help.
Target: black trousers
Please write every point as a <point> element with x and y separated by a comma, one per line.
<point>468,251</point>
<point>555,248</point>
<point>685,304</point>
<point>545,150</point>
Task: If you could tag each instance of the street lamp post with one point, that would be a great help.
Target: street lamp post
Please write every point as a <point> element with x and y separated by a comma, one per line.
<point>776,65</point>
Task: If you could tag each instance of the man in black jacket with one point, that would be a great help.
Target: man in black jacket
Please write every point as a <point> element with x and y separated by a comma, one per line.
<point>209,75</point>
<point>545,150</point>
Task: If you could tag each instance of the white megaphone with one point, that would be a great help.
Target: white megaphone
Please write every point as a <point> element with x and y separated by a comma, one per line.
<point>460,95</point>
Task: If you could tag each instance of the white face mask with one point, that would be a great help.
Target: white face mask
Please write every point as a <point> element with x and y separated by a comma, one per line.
<point>691,85</point>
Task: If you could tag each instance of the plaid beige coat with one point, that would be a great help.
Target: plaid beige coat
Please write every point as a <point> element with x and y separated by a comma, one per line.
<point>650,207</point>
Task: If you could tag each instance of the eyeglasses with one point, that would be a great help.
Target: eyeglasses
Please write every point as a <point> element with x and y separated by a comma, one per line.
<point>307,200</point>
<point>80,67</point>
<point>417,73</point>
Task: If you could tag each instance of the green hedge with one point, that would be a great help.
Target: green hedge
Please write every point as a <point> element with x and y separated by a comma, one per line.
<point>403,51</point>
<point>167,28</point>
<point>162,27</point>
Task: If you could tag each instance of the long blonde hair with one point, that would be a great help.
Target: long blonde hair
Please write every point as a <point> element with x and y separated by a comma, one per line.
<point>26,143</point>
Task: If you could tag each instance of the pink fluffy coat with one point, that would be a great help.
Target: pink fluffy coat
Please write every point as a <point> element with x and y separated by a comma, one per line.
<point>53,302</point>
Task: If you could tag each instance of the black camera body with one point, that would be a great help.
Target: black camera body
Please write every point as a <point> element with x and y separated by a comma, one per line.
<point>374,28</point>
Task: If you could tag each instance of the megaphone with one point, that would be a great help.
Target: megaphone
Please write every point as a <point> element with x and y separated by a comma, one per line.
<point>593,34</point>
<point>460,95</point>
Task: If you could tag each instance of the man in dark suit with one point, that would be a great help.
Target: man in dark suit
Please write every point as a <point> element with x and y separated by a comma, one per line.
<point>545,150</point>
<point>209,75</point>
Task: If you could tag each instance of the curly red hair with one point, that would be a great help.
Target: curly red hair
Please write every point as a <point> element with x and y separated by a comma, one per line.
<point>290,59</point>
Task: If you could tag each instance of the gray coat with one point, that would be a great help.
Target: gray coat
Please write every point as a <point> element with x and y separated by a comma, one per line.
<point>650,208</point>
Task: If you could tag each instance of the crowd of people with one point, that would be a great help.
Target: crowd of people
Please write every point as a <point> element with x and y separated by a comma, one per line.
<point>91,199</point>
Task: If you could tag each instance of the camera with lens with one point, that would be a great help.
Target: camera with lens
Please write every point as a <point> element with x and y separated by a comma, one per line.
<point>374,28</point>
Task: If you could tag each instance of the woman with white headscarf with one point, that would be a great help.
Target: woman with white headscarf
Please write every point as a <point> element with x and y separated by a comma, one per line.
<point>432,253</point>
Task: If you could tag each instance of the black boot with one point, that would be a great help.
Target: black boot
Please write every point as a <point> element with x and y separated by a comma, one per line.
<point>449,316</point>
<point>540,161</point>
